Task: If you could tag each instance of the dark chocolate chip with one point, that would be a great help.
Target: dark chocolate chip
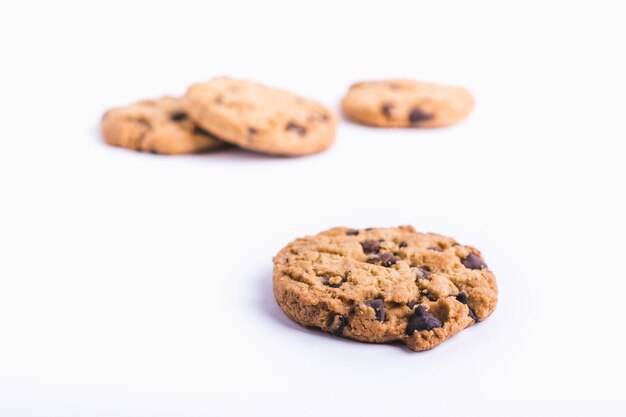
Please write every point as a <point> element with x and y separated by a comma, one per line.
<point>300,130</point>
<point>153,151</point>
<point>352,232</point>
<point>462,297</point>
<point>326,278</point>
<point>178,116</point>
<point>386,109</point>
<point>422,273</point>
<point>403,244</point>
<point>336,323</point>
<point>421,320</point>
<point>200,131</point>
<point>385,259</point>
<point>371,246</point>
<point>369,228</point>
<point>418,115</point>
<point>473,262</point>
<point>379,308</point>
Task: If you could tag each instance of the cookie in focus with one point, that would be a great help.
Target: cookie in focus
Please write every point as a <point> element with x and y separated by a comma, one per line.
<point>384,285</point>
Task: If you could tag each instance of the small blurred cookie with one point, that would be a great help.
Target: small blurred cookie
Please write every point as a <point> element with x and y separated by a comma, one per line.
<point>406,103</point>
<point>159,126</point>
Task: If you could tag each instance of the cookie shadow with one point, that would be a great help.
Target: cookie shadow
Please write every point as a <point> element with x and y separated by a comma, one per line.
<point>268,306</point>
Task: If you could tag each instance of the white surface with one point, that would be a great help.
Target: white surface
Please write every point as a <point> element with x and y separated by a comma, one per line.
<point>139,285</point>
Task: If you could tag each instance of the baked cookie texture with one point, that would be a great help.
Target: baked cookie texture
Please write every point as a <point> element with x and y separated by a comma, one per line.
<point>384,285</point>
<point>160,126</point>
<point>406,103</point>
<point>261,118</point>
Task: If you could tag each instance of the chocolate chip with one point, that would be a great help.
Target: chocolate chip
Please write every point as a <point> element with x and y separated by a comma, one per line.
<point>462,297</point>
<point>326,281</point>
<point>385,259</point>
<point>379,308</point>
<point>403,244</point>
<point>473,262</point>
<point>422,273</point>
<point>371,246</point>
<point>336,323</point>
<point>418,115</point>
<point>200,131</point>
<point>153,151</point>
<point>352,232</point>
<point>421,320</point>
<point>386,109</point>
<point>179,116</point>
<point>411,304</point>
<point>369,228</point>
<point>300,130</point>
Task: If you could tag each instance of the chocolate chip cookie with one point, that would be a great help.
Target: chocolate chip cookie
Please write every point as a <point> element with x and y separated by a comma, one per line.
<point>384,285</point>
<point>406,103</point>
<point>260,118</point>
<point>160,126</point>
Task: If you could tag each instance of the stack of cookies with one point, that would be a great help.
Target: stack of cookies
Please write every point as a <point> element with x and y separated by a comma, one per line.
<point>219,112</point>
<point>225,111</point>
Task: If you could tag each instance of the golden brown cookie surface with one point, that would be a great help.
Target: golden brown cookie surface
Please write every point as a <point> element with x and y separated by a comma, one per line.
<point>384,284</point>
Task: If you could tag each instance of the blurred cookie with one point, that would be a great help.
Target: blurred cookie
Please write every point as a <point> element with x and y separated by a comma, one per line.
<point>406,103</point>
<point>159,126</point>
<point>384,284</point>
<point>261,118</point>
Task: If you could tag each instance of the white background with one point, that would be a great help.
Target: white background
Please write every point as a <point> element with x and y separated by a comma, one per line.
<point>140,285</point>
